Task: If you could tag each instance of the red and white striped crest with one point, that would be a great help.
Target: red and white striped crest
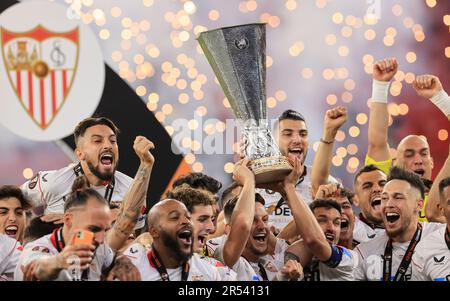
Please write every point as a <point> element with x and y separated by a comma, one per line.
<point>41,67</point>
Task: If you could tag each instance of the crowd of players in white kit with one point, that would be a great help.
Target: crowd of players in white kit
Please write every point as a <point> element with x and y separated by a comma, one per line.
<point>419,251</point>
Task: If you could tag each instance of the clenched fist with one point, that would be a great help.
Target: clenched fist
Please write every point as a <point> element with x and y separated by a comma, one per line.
<point>327,191</point>
<point>427,85</point>
<point>384,70</point>
<point>142,147</point>
<point>335,118</point>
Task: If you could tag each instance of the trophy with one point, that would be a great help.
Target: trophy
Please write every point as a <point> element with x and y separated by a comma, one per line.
<point>237,55</point>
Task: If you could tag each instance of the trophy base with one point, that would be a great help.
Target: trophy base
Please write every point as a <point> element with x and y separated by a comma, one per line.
<point>270,169</point>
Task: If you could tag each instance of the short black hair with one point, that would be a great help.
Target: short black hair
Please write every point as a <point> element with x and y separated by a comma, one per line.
<point>259,199</point>
<point>11,191</point>
<point>229,206</point>
<point>81,193</point>
<point>38,228</point>
<point>226,193</point>
<point>190,197</point>
<point>199,180</point>
<point>413,179</point>
<point>292,115</point>
<point>442,185</point>
<point>86,123</point>
<point>325,203</point>
<point>364,169</point>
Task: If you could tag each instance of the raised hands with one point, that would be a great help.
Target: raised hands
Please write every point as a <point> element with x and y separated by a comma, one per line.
<point>335,118</point>
<point>427,85</point>
<point>142,147</point>
<point>327,191</point>
<point>242,174</point>
<point>384,70</point>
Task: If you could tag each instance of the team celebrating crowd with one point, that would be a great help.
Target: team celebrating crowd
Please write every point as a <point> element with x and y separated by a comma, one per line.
<point>87,221</point>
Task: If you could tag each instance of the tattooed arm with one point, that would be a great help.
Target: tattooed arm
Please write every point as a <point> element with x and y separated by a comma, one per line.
<point>135,197</point>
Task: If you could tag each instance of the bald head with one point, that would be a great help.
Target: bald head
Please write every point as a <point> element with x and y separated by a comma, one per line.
<point>408,140</point>
<point>159,208</point>
<point>413,154</point>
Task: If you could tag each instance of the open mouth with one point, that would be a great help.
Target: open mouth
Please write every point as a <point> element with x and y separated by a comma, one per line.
<point>201,239</point>
<point>376,202</point>
<point>11,231</point>
<point>330,237</point>
<point>392,217</point>
<point>344,224</point>
<point>295,151</point>
<point>260,237</point>
<point>420,172</point>
<point>107,159</point>
<point>185,236</point>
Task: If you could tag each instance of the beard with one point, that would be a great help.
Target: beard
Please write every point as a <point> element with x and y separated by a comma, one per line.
<point>402,229</point>
<point>107,176</point>
<point>172,244</point>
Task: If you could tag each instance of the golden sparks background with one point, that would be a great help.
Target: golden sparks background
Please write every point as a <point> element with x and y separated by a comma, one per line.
<point>319,55</point>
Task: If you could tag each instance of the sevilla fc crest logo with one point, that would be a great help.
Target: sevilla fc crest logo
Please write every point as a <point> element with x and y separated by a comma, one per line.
<point>41,66</point>
<point>52,71</point>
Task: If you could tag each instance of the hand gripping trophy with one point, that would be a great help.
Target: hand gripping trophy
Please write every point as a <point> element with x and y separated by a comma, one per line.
<point>237,55</point>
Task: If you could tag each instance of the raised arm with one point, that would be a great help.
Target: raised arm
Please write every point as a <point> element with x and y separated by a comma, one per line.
<point>333,120</point>
<point>243,214</point>
<point>324,191</point>
<point>383,72</point>
<point>135,196</point>
<point>307,225</point>
<point>429,86</point>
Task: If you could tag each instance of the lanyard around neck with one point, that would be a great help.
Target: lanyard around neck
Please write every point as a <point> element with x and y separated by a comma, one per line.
<point>156,262</point>
<point>387,261</point>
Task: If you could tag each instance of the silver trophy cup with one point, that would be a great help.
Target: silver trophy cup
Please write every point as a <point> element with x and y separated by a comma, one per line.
<point>237,55</point>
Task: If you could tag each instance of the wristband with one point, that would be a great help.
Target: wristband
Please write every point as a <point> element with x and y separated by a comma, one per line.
<point>442,101</point>
<point>380,91</point>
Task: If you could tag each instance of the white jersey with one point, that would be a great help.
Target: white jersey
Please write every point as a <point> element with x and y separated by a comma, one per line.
<point>44,247</point>
<point>280,216</point>
<point>48,190</point>
<point>431,259</point>
<point>199,269</point>
<point>344,271</point>
<point>226,274</point>
<point>363,232</point>
<point>10,250</point>
<point>242,267</point>
<point>213,244</point>
<point>371,255</point>
<point>271,264</point>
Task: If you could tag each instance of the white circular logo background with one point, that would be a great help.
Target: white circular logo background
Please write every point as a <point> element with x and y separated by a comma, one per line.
<point>84,85</point>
